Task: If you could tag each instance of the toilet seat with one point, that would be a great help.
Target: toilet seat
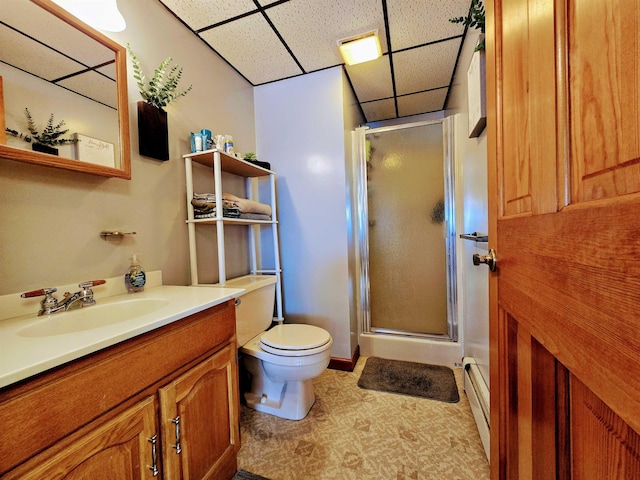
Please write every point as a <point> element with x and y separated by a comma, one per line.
<point>295,340</point>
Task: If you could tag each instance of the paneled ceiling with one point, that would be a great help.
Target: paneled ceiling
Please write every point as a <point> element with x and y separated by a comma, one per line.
<point>266,41</point>
<point>56,52</point>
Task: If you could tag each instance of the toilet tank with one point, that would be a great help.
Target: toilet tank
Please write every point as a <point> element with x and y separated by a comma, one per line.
<point>254,310</point>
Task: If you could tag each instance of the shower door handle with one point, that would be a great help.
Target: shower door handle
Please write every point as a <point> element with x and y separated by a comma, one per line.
<point>490,259</point>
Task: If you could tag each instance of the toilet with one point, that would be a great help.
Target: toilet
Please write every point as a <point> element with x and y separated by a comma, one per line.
<point>281,362</point>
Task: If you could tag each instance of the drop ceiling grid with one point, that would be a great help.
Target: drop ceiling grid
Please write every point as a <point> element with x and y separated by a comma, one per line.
<point>312,28</point>
<point>252,47</point>
<point>371,80</point>
<point>93,85</point>
<point>14,53</point>
<point>35,22</point>
<point>108,70</point>
<point>379,110</point>
<point>431,101</point>
<point>436,63</point>
<point>416,22</point>
<point>203,13</point>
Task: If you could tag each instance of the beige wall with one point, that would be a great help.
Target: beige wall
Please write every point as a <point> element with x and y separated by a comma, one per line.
<point>50,219</point>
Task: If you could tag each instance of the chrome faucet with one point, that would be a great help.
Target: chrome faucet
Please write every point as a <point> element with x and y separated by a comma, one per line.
<point>70,301</point>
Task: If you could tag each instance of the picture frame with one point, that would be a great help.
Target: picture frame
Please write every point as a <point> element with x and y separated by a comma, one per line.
<point>93,150</point>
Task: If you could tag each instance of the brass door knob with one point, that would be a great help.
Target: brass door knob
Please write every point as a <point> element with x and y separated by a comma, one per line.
<point>490,259</point>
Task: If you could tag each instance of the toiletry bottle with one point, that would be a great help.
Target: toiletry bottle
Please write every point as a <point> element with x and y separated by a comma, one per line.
<point>135,278</point>
<point>228,144</point>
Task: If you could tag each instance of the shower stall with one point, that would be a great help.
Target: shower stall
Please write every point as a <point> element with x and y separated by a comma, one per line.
<point>406,248</point>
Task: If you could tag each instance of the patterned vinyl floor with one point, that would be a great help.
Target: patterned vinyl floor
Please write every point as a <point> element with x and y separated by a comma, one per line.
<point>357,434</point>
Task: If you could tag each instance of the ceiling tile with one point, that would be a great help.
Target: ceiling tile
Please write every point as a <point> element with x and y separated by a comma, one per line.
<point>95,86</point>
<point>36,22</point>
<point>416,22</point>
<point>379,110</point>
<point>431,101</point>
<point>34,57</point>
<point>202,13</point>
<point>109,71</point>
<point>371,80</point>
<point>251,46</point>
<point>435,64</point>
<point>312,28</point>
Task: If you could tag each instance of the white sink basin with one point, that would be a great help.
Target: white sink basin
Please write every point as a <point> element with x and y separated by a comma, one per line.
<point>96,316</point>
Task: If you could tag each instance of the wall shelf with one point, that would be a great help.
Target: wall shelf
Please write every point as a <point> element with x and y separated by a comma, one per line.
<point>220,162</point>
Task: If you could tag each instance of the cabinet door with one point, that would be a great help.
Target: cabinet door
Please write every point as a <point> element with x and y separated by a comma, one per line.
<point>199,420</point>
<point>120,448</point>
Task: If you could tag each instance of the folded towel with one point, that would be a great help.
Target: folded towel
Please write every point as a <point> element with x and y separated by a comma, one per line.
<point>204,205</point>
<point>248,206</point>
<point>255,216</point>
<point>227,213</point>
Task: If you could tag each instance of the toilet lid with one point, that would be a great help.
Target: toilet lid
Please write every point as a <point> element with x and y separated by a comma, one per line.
<point>295,337</point>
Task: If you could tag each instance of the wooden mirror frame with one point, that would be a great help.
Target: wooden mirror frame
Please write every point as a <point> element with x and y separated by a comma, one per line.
<point>37,158</point>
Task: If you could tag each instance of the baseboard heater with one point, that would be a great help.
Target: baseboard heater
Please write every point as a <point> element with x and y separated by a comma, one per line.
<point>478,394</point>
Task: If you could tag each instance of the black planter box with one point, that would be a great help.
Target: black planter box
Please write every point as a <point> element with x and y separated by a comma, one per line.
<point>153,133</point>
<point>38,147</point>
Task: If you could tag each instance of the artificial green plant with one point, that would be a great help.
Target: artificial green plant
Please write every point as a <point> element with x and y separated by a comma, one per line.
<point>50,135</point>
<point>475,19</point>
<point>162,88</point>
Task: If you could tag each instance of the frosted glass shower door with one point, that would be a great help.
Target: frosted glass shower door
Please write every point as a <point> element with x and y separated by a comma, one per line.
<point>407,230</point>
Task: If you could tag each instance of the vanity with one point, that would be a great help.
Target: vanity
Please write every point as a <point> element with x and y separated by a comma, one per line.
<point>151,396</point>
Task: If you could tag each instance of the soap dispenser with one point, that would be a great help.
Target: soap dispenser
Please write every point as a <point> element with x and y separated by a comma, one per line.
<point>135,277</point>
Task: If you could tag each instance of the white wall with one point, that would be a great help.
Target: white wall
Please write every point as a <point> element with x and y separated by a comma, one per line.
<point>300,129</point>
<point>51,218</point>
<point>472,186</point>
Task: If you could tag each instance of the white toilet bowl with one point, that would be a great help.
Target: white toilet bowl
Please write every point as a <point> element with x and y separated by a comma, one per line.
<point>282,363</point>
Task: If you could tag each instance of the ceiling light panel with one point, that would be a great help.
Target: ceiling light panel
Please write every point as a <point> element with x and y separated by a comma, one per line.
<point>252,47</point>
<point>312,28</point>
<point>203,13</point>
<point>431,101</point>
<point>371,80</point>
<point>417,22</point>
<point>436,63</point>
<point>379,110</point>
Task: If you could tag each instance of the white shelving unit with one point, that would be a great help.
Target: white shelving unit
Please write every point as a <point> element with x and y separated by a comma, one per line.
<point>220,162</point>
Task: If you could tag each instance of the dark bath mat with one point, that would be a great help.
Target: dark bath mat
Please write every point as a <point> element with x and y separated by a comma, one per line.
<point>410,378</point>
<point>244,475</point>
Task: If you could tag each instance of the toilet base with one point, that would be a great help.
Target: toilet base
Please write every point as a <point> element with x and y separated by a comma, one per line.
<point>296,400</point>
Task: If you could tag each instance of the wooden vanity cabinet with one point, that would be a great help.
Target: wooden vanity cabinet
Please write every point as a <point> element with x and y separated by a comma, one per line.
<point>197,411</point>
<point>109,415</point>
<point>120,448</point>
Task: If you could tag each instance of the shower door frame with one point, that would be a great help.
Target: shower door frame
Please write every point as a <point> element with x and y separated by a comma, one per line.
<point>448,147</point>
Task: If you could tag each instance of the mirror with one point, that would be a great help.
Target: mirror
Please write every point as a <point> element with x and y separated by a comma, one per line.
<point>52,63</point>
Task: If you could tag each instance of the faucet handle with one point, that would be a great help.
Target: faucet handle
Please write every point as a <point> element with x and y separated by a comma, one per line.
<point>39,293</point>
<point>91,283</point>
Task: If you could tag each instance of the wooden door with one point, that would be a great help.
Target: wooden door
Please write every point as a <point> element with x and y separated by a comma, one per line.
<point>563,93</point>
<point>120,448</point>
<point>199,411</point>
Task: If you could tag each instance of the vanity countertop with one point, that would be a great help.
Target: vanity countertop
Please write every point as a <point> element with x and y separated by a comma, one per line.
<point>23,356</point>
